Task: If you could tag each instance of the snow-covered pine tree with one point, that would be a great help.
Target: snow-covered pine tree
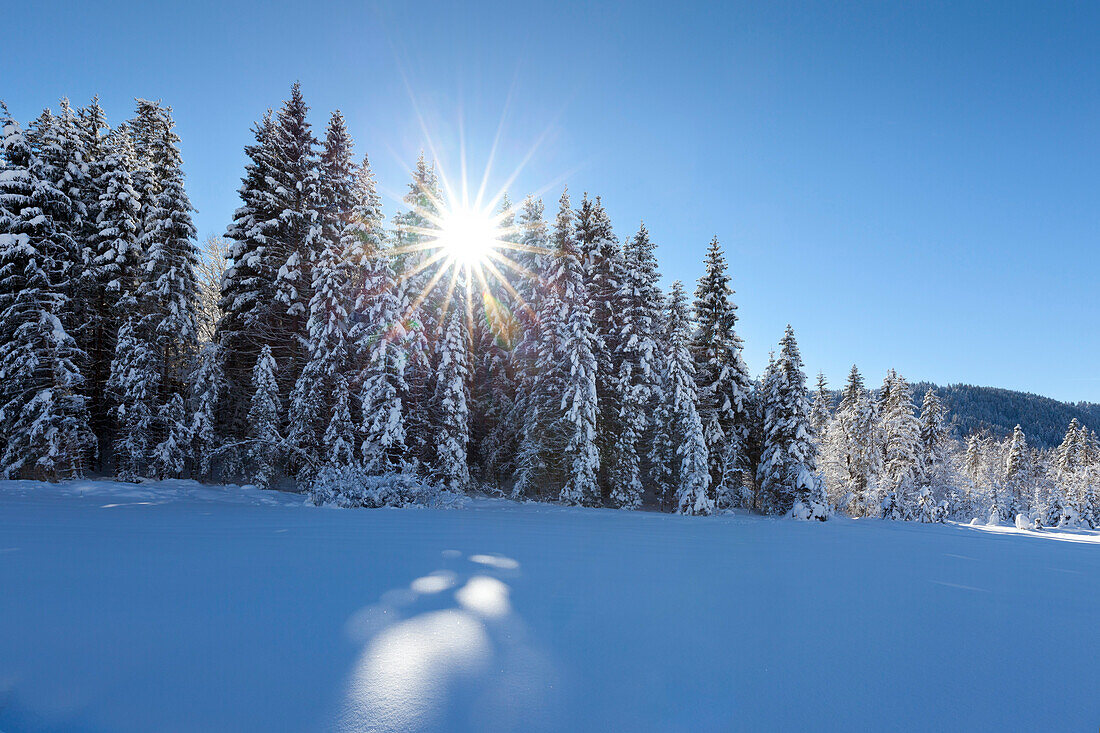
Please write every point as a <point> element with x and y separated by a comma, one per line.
<point>753,446</point>
<point>1017,472</point>
<point>377,336</point>
<point>418,272</point>
<point>248,315</point>
<point>788,467</point>
<point>112,274</point>
<point>207,387</point>
<point>680,448</point>
<point>336,187</point>
<point>1091,452</point>
<point>602,262</point>
<point>972,468</point>
<point>43,416</point>
<point>572,369</point>
<point>934,460</point>
<point>297,240</point>
<point>170,454</point>
<point>1070,467</point>
<point>451,404</point>
<point>821,411</point>
<point>531,307</point>
<point>59,146</point>
<point>765,398</point>
<point>537,393</point>
<point>58,143</point>
<point>167,295</point>
<point>364,232</point>
<point>333,291</point>
<point>663,465</point>
<point>264,420</point>
<point>94,133</point>
<point>901,447</point>
<point>310,407</point>
<point>132,386</point>
<point>1069,452</point>
<point>532,256</point>
<point>637,378</point>
<point>720,372</point>
<point>1090,495</point>
<point>492,391</point>
<point>94,129</point>
<point>339,438</point>
<point>853,448</point>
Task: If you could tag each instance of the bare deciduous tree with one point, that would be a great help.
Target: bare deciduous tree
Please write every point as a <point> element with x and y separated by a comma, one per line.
<point>212,263</point>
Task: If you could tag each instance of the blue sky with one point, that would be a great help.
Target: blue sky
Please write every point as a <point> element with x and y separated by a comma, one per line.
<point>911,185</point>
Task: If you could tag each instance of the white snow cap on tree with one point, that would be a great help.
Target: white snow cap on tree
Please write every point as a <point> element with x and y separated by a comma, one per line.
<point>788,467</point>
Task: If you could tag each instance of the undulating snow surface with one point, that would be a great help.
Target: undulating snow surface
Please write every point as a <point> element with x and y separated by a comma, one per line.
<point>173,606</point>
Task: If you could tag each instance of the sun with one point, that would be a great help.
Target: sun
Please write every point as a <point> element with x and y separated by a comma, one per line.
<point>469,237</point>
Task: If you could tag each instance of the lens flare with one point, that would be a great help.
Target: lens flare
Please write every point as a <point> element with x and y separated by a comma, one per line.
<point>468,236</point>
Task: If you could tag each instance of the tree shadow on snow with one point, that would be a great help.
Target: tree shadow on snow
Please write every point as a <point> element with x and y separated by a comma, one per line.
<point>448,651</point>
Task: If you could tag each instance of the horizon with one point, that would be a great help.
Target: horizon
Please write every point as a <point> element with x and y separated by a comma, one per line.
<point>884,179</point>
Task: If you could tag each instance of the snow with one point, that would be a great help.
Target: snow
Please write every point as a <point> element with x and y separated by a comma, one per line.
<point>173,605</point>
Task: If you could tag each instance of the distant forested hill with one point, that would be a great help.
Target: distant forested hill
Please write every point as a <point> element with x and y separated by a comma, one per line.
<point>997,411</point>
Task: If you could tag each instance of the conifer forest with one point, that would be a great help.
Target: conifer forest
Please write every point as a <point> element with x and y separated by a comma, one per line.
<point>369,357</point>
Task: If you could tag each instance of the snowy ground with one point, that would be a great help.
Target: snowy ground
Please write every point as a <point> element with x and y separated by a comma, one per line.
<point>180,607</point>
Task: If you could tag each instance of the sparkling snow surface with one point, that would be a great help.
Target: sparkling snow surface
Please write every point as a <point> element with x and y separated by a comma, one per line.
<point>178,607</point>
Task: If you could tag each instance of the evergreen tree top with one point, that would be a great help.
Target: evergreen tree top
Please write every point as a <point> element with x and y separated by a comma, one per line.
<point>678,315</point>
<point>93,124</point>
<point>563,227</point>
<point>854,388</point>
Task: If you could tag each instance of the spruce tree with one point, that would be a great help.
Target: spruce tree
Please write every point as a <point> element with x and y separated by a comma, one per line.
<point>533,256</point>
<point>377,337</point>
<point>297,240</point>
<point>170,454</point>
<point>492,392</point>
<point>935,441</point>
<point>636,384</point>
<point>419,272</point>
<point>339,438</point>
<point>133,385</point>
<point>249,317</point>
<point>602,263</point>
<point>567,367</point>
<point>96,144</point>
<point>720,371</point>
<point>900,439</point>
<point>167,294</point>
<point>821,410</point>
<point>451,404</point>
<point>338,180</point>
<point>112,275</point>
<point>264,420</point>
<point>207,387</point>
<point>59,145</point>
<point>493,388</point>
<point>852,446</point>
<point>1069,452</point>
<point>933,456</point>
<point>43,415</point>
<point>788,467</point>
<point>311,402</point>
<point>679,443</point>
<point>1017,472</point>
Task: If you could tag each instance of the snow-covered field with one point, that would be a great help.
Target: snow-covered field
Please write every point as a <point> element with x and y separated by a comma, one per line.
<point>179,607</point>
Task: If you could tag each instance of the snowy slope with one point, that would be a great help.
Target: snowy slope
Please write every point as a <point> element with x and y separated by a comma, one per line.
<point>180,607</point>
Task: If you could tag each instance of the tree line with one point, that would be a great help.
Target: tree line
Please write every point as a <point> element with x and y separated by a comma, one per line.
<point>343,353</point>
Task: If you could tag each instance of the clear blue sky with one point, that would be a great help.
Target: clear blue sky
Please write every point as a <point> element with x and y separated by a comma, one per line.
<point>914,185</point>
